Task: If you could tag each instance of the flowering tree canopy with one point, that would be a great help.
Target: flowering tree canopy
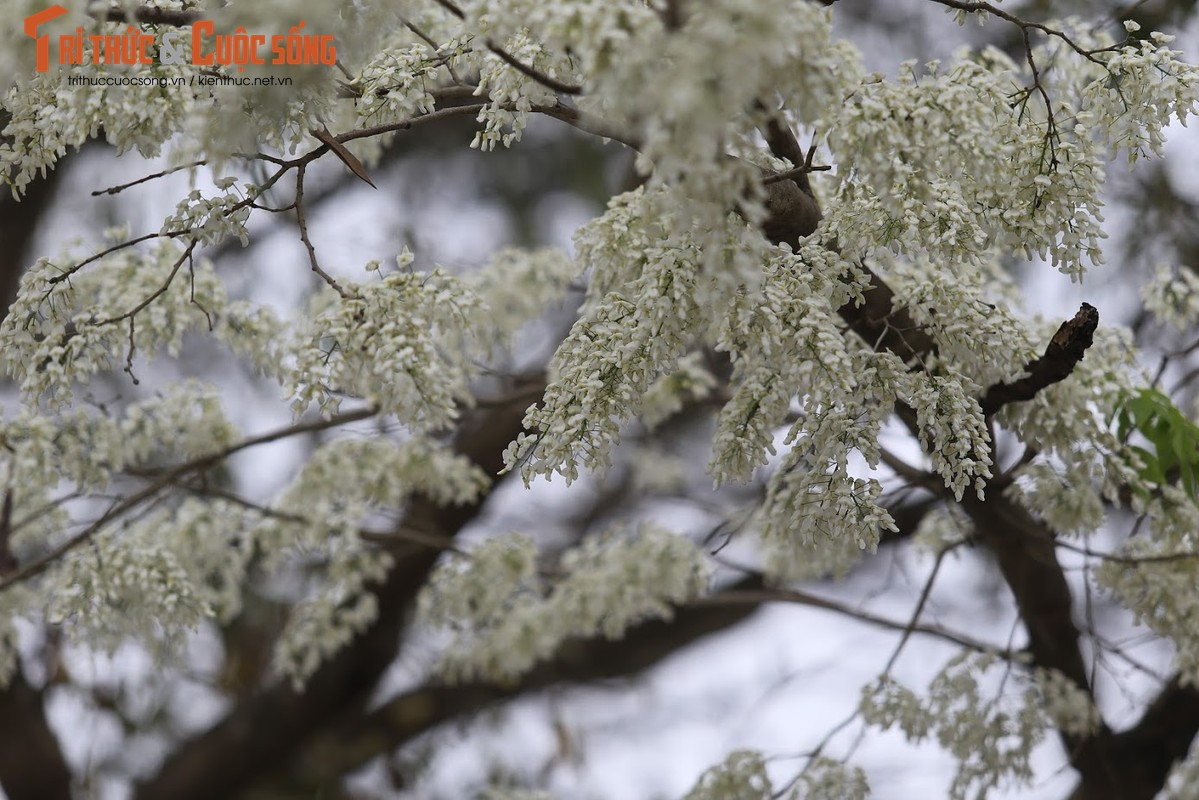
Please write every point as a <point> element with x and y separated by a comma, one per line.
<point>810,280</point>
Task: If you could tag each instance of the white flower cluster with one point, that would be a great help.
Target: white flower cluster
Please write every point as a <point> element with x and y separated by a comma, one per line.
<point>943,167</point>
<point>62,329</point>
<point>1139,91</point>
<point>952,430</point>
<point>968,311</point>
<point>817,518</point>
<point>613,355</point>
<point>42,450</point>
<point>786,341</point>
<point>1065,497</point>
<point>402,343</point>
<point>505,616</point>
<point>254,332</point>
<point>395,82</point>
<point>1080,463</point>
<point>319,517</point>
<point>513,94</point>
<point>690,381</point>
<point>321,625</point>
<point>15,605</point>
<point>345,477</point>
<point>210,220</point>
<point>1160,589</point>
<point>49,115</point>
<point>992,739</point>
<point>1173,297</point>
<point>741,776</point>
<point>516,286</point>
<point>826,779</point>
<point>1070,708</point>
<point>161,575</point>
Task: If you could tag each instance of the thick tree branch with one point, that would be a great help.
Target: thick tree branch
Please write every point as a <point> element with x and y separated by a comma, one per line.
<point>263,732</point>
<point>1022,545</point>
<point>1161,737</point>
<point>353,743</point>
<point>31,765</point>
<point>1065,350</point>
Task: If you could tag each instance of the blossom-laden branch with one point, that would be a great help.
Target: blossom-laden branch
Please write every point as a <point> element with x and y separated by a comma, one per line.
<point>165,479</point>
<point>1065,350</point>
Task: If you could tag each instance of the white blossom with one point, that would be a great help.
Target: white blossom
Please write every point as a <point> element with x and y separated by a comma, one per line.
<point>505,616</point>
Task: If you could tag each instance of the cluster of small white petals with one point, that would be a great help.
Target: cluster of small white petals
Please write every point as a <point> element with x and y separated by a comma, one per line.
<point>784,340</point>
<point>826,779</point>
<point>1067,705</point>
<point>505,617</point>
<point>62,331</point>
<point>86,448</point>
<point>163,574</point>
<point>210,220</point>
<point>187,420</point>
<point>992,739</point>
<point>665,397</point>
<point>480,590</point>
<point>319,515</point>
<point>655,471</point>
<point>1089,465</point>
<point>952,430</point>
<point>943,168</point>
<point>963,308</point>
<point>619,347</point>
<point>686,90</point>
<point>517,286</point>
<point>395,83</point>
<point>15,603</point>
<point>52,456</point>
<point>511,93</point>
<point>1160,589</point>
<point>594,32</point>
<point>1141,89</point>
<point>741,776</point>
<point>400,343</point>
<point>341,608</point>
<point>817,517</point>
<point>1066,498</point>
<point>49,115</point>
<point>254,332</point>
<point>346,476</point>
<point>939,530</point>
<point>1173,297</point>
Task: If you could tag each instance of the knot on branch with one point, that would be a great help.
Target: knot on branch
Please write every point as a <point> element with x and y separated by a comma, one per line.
<point>1065,350</point>
<point>791,213</point>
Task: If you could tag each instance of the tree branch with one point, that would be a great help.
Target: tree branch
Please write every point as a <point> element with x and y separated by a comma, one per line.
<point>263,732</point>
<point>1065,350</point>
<point>32,766</point>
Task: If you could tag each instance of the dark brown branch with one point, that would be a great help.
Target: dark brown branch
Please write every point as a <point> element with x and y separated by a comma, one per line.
<point>263,733</point>
<point>1065,350</point>
<point>1147,751</point>
<point>32,766</point>
<point>413,713</point>
<point>1022,545</point>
